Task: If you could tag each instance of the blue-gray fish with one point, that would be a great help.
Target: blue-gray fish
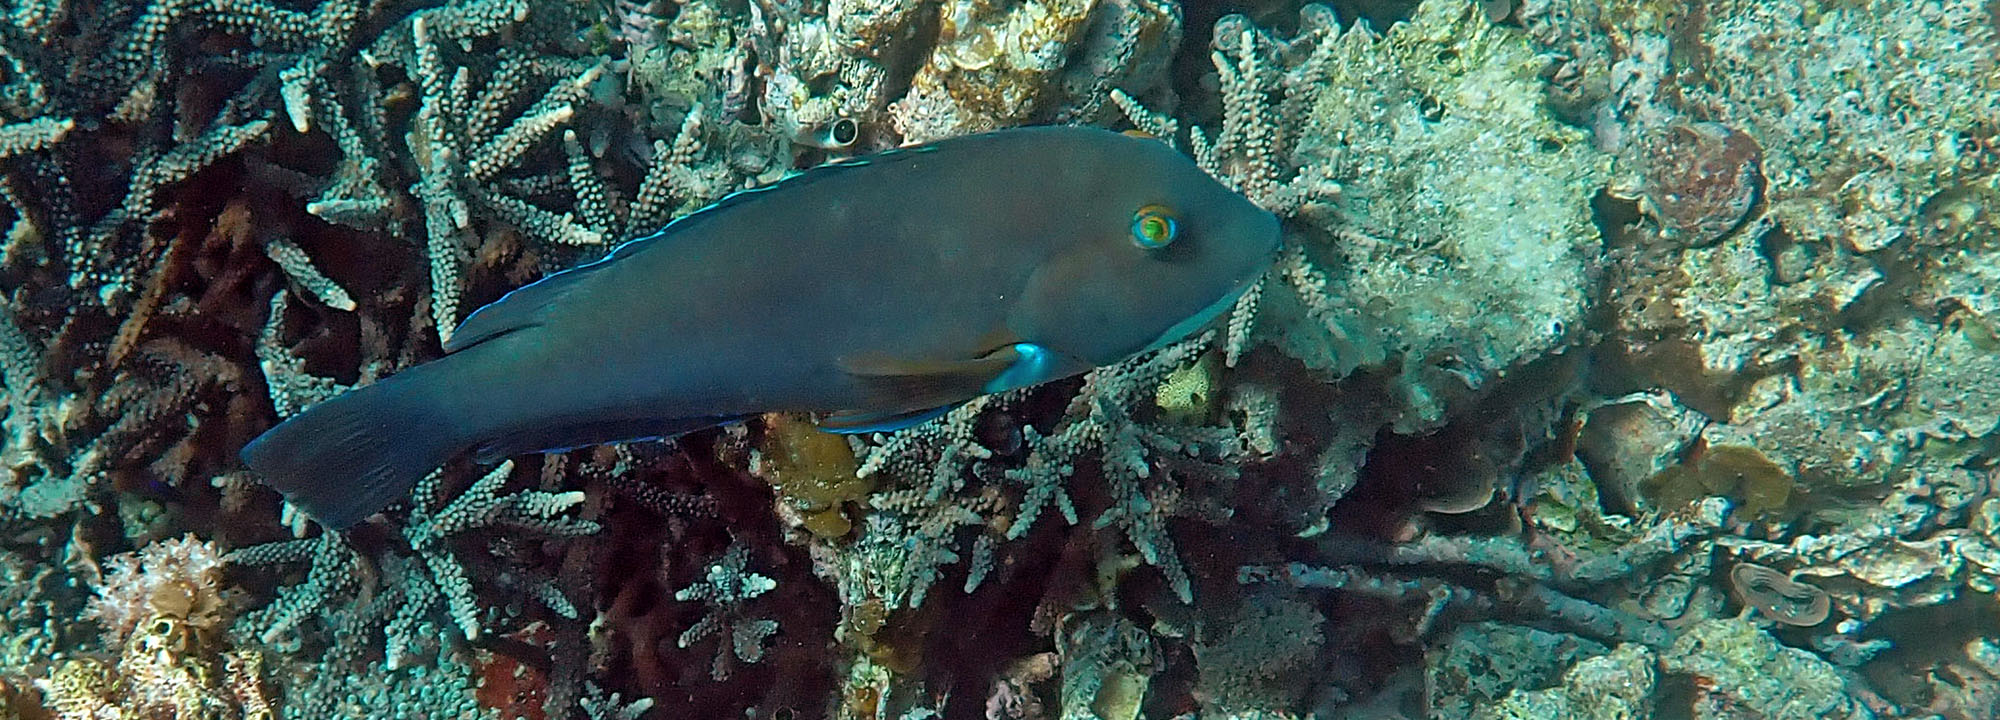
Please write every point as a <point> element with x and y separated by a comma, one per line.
<point>875,291</point>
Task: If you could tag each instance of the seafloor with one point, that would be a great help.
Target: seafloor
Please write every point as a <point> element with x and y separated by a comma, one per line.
<point>1628,359</point>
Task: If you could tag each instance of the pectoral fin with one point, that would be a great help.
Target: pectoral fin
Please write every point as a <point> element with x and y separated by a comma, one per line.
<point>903,394</point>
<point>891,383</point>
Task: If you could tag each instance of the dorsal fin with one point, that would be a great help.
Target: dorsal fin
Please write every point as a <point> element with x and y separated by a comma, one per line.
<point>524,306</point>
<point>794,180</point>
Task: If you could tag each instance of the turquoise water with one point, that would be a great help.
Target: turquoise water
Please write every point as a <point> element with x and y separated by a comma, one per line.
<point>1622,360</point>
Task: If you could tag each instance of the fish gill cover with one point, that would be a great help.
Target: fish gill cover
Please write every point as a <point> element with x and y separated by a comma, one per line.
<point>1583,307</point>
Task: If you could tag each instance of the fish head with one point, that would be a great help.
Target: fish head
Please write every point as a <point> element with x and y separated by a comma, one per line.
<point>1161,251</point>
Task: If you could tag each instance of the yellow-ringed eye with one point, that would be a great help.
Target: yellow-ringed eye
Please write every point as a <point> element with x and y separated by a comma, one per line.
<point>1154,226</point>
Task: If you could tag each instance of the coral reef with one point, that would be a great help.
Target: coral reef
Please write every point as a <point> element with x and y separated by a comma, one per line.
<point>1627,359</point>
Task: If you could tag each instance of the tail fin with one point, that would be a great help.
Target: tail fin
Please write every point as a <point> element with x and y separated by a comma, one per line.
<point>344,459</point>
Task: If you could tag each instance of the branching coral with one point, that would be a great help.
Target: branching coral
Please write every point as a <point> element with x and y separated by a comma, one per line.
<point>1145,467</point>
<point>354,595</point>
<point>1100,422</point>
<point>459,155</point>
<point>480,506</point>
<point>726,588</point>
<point>334,569</point>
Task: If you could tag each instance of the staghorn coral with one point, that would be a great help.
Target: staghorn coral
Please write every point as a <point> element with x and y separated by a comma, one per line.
<point>390,605</point>
<point>1142,465</point>
<point>480,506</point>
<point>1131,454</point>
<point>167,167</point>
<point>458,155</point>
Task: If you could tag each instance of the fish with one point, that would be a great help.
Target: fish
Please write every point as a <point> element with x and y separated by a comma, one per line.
<point>873,293</point>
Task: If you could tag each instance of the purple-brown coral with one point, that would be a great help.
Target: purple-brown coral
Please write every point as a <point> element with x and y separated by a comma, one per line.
<point>1702,179</point>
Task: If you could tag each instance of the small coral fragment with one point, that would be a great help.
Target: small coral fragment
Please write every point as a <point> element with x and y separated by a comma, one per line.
<point>727,588</point>
<point>1188,394</point>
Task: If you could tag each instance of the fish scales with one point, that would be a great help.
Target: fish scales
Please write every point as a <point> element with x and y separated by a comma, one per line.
<point>874,290</point>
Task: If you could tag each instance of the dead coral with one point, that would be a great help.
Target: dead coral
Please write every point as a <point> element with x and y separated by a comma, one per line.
<point>1255,659</point>
<point>992,64</point>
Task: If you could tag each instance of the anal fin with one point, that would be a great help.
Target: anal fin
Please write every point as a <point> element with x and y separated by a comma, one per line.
<point>558,438</point>
<point>850,422</point>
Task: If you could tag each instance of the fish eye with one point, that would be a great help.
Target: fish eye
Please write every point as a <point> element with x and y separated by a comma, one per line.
<point>1154,226</point>
<point>843,132</point>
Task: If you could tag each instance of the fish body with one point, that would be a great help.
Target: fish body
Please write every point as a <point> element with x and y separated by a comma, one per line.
<point>876,291</point>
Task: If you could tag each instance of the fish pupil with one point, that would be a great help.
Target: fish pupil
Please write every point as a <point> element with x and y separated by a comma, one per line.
<point>1154,227</point>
